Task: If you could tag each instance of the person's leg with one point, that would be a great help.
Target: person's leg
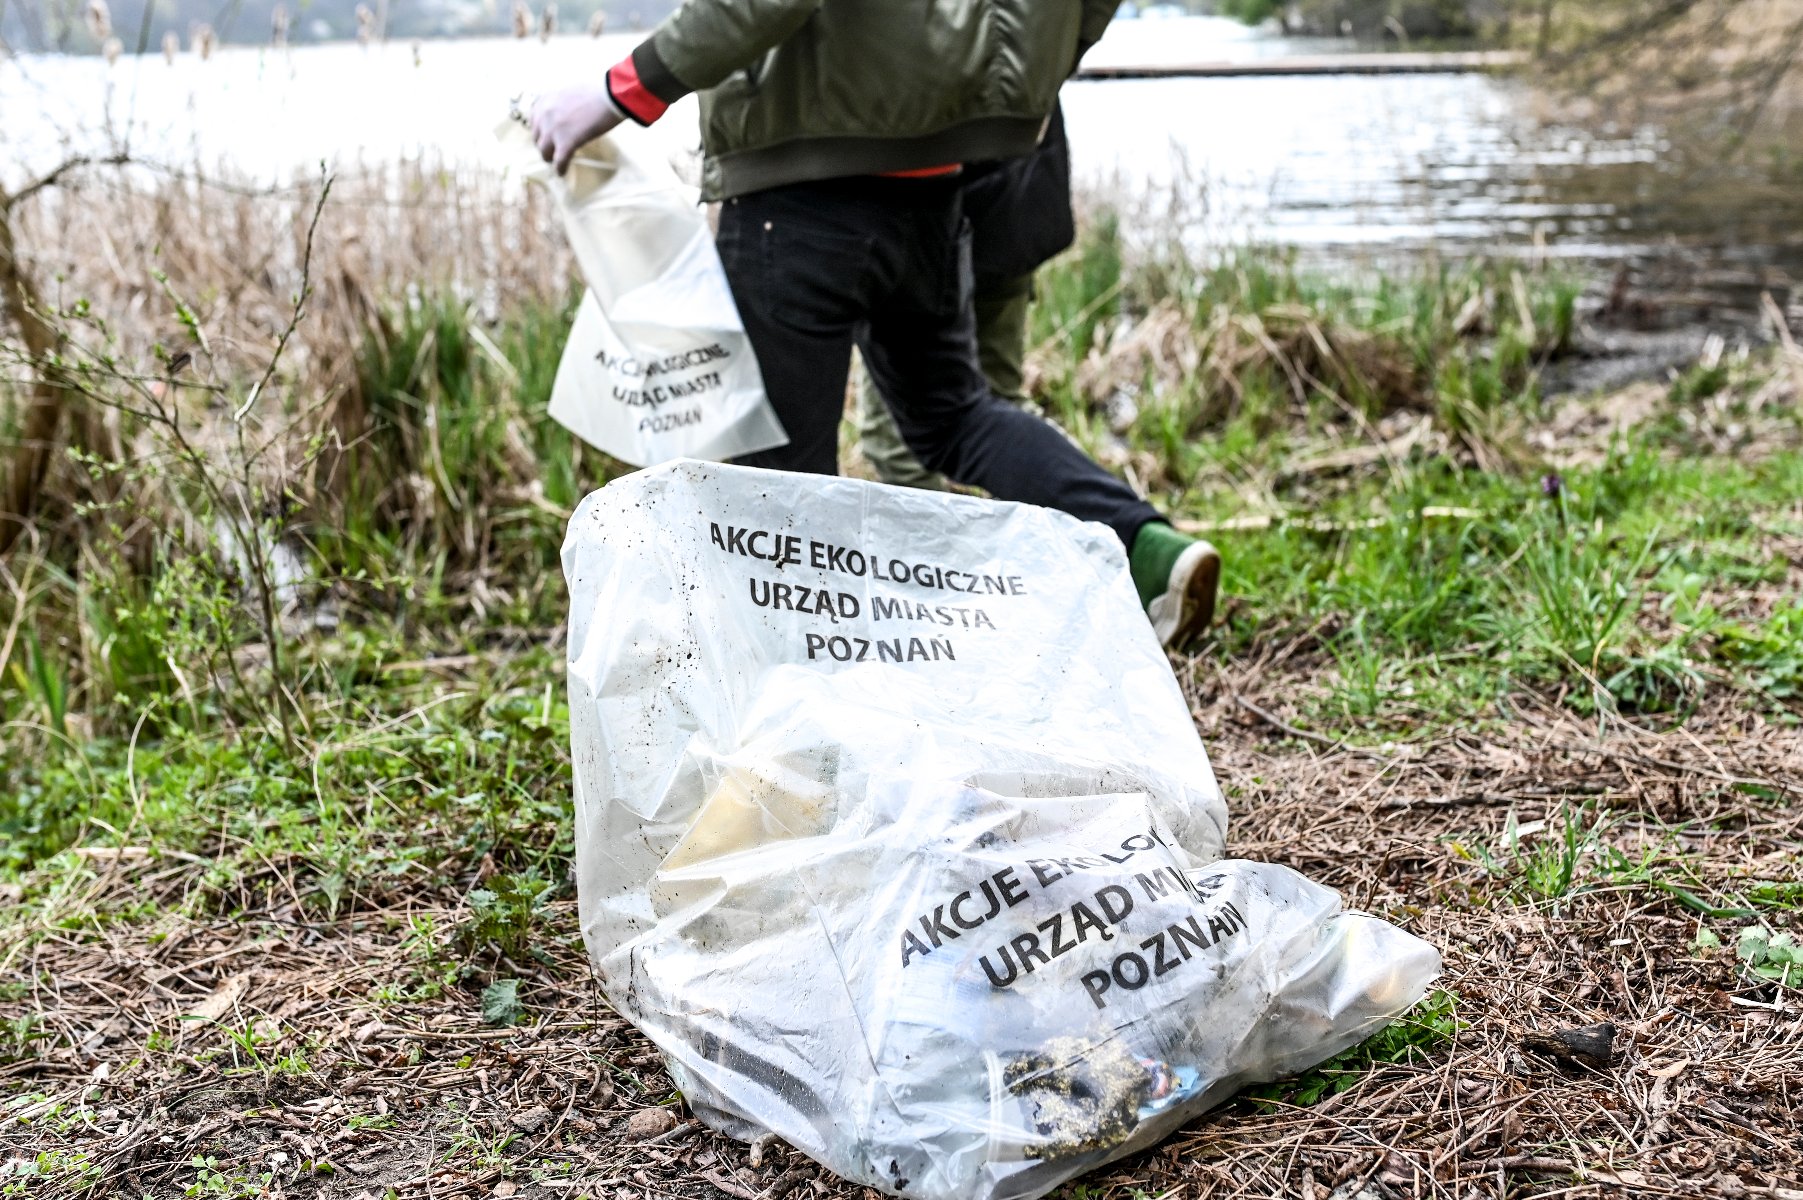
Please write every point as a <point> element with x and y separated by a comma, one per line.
<point>1001,353</point>
<point>921,349</point>
<point>1177,577</point>
<point>1002,338</point>
<point>882,445</point>
<point>797,277</point>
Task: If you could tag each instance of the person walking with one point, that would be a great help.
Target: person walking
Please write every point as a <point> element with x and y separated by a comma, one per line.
<point>835,136</point>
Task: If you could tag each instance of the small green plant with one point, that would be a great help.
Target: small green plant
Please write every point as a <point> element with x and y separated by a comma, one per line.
<point>1662,682</point>
<point>247,1048</point>
<point>475,1146</point>
<point>504,914</point>
<point>1365,681</point>
<point>1771,957</point>
<point>501,1002</point>
<point>1539,867</point>
<point>1549,868</point>
<point>1781,894</point>
<point>1771,655</point>
<point>551,1171</point>
<point>1583,592</point>
<point>1699,383</point>
<point>210,1180</point>
<point>432,970</point>
<point>74,1170</point>
<point>17,1035</point>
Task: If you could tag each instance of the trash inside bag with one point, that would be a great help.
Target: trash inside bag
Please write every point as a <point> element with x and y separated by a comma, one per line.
<point>657,365</point>
<point>894,833</point>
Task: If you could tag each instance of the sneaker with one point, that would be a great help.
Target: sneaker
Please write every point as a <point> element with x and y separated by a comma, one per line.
<point>1177,578</point>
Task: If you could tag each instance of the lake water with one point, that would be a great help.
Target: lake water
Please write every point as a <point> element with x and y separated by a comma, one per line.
<point>1348,168</point>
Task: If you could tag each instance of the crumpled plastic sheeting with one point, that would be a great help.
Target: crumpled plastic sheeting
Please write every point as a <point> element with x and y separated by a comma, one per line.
<point>894,833</point>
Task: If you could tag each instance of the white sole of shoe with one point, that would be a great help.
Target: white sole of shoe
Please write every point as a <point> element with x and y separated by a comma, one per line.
<point>1187,607</point>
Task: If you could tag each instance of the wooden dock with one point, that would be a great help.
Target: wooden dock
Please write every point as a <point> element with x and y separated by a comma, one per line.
<point>1374,63</point>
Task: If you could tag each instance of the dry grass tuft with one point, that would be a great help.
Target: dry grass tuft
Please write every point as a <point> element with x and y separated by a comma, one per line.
<point>130,240</point>
<point>1216,351</point>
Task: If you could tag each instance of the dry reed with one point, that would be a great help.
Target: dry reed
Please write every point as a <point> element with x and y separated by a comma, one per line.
<point>185,282</point>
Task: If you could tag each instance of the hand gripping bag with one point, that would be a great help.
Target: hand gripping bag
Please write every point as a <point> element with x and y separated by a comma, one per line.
<point>894,833</point>
<point>657,365</point>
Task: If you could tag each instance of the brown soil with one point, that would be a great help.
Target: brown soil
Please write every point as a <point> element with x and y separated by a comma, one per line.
<point>1700,1098</point>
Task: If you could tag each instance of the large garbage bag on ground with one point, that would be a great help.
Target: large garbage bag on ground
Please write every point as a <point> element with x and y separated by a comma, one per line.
<point>893,831</point>
<point>657,366</point>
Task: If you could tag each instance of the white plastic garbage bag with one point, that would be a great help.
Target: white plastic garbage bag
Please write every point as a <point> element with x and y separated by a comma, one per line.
<point>657,365</point>
<point>894,833</point>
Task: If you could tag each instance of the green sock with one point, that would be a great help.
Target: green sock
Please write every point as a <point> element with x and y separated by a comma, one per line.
<point>1156,549</point>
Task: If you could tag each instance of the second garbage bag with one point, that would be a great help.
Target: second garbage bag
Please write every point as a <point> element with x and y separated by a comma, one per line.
<point>657,365</point>
<point>895,834</point>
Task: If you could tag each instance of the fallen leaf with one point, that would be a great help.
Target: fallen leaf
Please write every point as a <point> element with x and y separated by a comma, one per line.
<point>649,1122</point>
<point>224,999</point>
<point>501,1002</point>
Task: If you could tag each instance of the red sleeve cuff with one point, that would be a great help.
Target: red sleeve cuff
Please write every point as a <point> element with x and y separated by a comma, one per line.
<point>633,97</point>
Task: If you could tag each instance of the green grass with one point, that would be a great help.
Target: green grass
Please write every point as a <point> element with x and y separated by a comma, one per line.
<point>406,779</point>
<point>1264,352</point>
<point>1578,850</point>
<point>1613,591</point>
<point>1769,655</point>
<point>1544,863</point>
<point>441,526</point>
<point>136,702</point>
<point>460,472</point>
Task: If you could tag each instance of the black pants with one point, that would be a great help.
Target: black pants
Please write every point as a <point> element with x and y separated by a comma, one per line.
<point>886,262</point>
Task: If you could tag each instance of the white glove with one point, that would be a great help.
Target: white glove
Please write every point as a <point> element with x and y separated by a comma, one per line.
<point>565,121</point>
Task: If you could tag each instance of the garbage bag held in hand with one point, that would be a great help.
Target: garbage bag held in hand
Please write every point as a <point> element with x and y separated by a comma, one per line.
<point>657,365</point>
<point>894,832</point>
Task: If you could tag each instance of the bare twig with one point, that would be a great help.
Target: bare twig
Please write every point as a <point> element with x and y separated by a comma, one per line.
<point>1278,723</point>
<point>251,540</point>
<point>55,176</point>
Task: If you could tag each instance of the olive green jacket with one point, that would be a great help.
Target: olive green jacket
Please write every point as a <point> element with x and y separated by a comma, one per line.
<point>796,90</point>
